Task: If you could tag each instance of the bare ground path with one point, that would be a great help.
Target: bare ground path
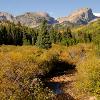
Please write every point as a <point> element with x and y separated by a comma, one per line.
<point>63,86</point>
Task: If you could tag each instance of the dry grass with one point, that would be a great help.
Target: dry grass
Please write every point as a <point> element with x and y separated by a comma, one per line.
<point>19,65</point>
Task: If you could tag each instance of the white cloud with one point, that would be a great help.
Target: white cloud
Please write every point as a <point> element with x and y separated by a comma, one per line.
<point>97,14</point>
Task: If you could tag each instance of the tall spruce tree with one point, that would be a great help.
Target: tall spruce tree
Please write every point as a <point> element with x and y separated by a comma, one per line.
<point>18,36</point>
<point>43,39</point>
<point>53,35</point>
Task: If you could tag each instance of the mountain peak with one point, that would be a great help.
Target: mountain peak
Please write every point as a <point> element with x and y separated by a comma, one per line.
<point>6,16</point>
<point>34,19</point>
<point>80,16</point>
<point>41,14</point>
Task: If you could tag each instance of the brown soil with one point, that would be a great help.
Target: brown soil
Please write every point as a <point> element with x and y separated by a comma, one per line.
<point>67,82</point>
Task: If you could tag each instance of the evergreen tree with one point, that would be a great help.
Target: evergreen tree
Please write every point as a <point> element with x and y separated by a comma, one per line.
<point>1,37</point>
<point>67,33</point>
<point>67,38</point>
<point>53,35</point>
<point>18,36</point>
<point>43,39</point>
<point>58,37</point>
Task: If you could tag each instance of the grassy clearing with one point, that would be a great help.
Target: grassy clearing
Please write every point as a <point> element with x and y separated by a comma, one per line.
<point>21,66</point>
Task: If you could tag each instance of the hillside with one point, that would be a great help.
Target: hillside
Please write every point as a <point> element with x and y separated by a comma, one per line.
<point>91,28</point>
<point>35,19</point>
<point>30,19</point>
<point>4,16</point>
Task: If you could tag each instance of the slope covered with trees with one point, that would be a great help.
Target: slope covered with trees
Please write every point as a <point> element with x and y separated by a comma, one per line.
<point>11,34</point>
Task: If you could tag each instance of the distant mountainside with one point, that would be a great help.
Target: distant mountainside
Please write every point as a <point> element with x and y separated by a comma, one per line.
<point>4,16</point>
<point>65,24</point>
<point>28,19</point>
<point>80,16</point>
<point>33,19</point>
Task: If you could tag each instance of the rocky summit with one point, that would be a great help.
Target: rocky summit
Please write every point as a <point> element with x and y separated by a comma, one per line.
<point>33,19</point>
<point>80,16</point>
<point>4,16</point>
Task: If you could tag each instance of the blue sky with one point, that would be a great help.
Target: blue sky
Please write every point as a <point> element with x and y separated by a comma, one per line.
<point>55,8</point>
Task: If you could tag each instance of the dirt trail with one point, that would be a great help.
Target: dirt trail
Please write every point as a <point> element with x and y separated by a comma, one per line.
<point>62,82</point>
<point>63,78</point>
<point>63,86</point>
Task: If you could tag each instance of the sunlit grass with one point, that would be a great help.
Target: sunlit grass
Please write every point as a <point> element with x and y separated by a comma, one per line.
<point>20,65</point>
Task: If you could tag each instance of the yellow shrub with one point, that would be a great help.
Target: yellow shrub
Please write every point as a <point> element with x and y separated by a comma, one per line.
<point>89,75</point>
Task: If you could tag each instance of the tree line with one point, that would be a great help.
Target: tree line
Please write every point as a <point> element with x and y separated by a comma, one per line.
<point>42,36</point>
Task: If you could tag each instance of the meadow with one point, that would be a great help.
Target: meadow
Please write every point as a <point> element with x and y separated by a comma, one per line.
<point>22,67</point>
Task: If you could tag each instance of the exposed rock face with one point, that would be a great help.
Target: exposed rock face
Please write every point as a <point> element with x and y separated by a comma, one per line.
<point>28,19</point>
<point>5,16</point>
<point>65,24</point>
<point>81,16</point>
<point>34,19</point>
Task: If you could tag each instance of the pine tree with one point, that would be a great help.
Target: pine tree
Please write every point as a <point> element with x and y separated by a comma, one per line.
<point>67,33</point>
<point>18,36</point>
<point>43,39</point>
<point>53,35</point>
<point>1,36</point>
<point>67,38</point>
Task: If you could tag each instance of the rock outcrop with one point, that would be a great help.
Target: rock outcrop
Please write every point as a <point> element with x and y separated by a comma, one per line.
<point>80,16</point>
<point>34,19</point>
<point>4,16</point>
<point>28,19</point>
